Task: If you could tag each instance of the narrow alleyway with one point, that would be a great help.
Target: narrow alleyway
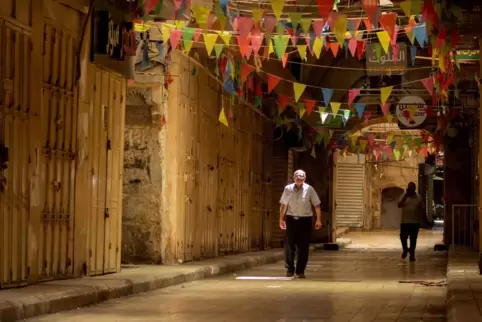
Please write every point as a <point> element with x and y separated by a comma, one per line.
<point>349,285</point>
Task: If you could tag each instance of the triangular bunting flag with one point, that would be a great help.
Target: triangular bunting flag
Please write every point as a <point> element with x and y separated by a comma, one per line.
<point>420,34</point>
<point>317,46</point>
<point>226,37</point>
<point>385,93</point>
<point>388,22</point>
<point>413,54</point>
<point>299,89</point>
<point>272,82</point>
<point>428,84</point>
<point>309,104</point>
<point>257,15</point>
<point>352,94</point>
<point>370,7</point>
<point>302,51</point>
<point>277,6</point>
<point>301,109</point>
<point>318,25</point>
<point>305,25</point>
<point>341,25</point>
<point>174,37</point>
<point>406,7</point>
<point>218,48</point>
<point>334,48</point>
<point>209,41</point>
<point>327,94</point>
<point>222,117</point>
<point>283,102</point>
<point>384,39</point>
<point>360,109</point>
<point>352,46</point>
<point>325,7</point>
<point>385,108</point>
<point>335,107</point>
<point>246,69</point>
<point>295,18</point>
<point>280,44</point>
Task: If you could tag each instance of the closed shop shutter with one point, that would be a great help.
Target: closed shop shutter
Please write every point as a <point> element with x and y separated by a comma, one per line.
<point>349,194</point>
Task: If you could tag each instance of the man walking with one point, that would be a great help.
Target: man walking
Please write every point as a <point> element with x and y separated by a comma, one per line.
<point>296,218</point>
<point>412,217</point>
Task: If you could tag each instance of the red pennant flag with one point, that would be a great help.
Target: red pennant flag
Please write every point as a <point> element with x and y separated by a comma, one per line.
<point>428,84</point>
<point>352,94</point>
<point>370,7</point>
<point>325,7</point>
<point>385,108</point>
<point>388,22</point>
<point>360,48</point>
<point>272,82</point>
<point>245,24</point>
<point>243,45</point>
<point>368,24</point>
<point>245,71</point>
<point>283,102</point>
<point>309,104</point>
<point>150,5</point>
<point>258,91</point>
<point>284,60</point>
<point>318,25</point>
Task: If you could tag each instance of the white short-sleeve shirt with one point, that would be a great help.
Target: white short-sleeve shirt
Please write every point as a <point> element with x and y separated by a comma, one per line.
<point>299,201</point>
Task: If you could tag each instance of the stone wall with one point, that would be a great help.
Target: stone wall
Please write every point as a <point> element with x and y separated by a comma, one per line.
<point>142,203</point>
<point>385,175</point>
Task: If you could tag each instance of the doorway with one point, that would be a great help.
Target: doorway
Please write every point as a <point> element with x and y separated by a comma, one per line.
<point>391,215</point>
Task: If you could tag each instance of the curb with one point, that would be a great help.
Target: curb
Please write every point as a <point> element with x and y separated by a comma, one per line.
<point>84,294</point>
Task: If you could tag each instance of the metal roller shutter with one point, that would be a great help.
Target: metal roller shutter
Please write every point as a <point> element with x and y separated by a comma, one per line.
<point>350,182</point>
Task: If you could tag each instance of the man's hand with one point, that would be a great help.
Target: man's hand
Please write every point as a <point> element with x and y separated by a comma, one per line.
<point>318,224</point>
<point>282,224</point>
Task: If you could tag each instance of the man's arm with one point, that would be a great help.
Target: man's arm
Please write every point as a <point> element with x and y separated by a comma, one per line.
<point>316,202</point>
<point>282,209</point>
<point>401,201</point>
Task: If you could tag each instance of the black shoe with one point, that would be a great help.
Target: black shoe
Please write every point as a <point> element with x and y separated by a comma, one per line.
<point>412,258</point>
<point>404,254</point>
<point>301,276</point>
<point>289,274</point>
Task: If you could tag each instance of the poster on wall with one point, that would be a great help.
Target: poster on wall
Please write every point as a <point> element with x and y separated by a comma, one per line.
<point>410,111</point>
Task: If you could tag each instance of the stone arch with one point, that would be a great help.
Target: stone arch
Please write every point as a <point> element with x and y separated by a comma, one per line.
<point>136,96</point>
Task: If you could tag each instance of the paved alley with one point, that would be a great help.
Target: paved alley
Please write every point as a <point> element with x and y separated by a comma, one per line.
<point>349,285</point>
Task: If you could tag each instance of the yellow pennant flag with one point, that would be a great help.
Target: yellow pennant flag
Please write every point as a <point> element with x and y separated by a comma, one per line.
<point>389,139</point>
<point>302,51</point>
<point>166,31</point>
<point>299,89</point>
<point>363,144</point>
<point>322,109</point>
<point>340,29</point>
<point>188,46</point>
<point>201,13</point>
<point>317,46</point>
<point>385,93</point>
<point>335,107</point>
<point>384,39</point>
<point>210,41</point>
<point>270,49</point>
<point>411,37</point>
<point>222,117</point>
<point>354,138</point>
<point>142,27</point>
<point>277,6</point>
<point>226,37</point>
<point>257,15</point>
<point>305,25</point>
<point>396,153</point>
<point>313,153</point>
<point>406,7</point>
<point>302,111</point>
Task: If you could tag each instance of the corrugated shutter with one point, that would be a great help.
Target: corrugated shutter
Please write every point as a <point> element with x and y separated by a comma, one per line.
<point>350,180</point>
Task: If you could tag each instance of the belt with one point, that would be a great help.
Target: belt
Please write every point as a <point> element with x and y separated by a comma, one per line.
<point>299,217</point>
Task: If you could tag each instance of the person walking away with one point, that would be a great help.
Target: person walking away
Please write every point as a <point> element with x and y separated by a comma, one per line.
<point>296,214</point>
<point>412,205</point>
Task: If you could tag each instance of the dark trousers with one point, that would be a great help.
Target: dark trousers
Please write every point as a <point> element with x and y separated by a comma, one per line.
<point>298,233</point>
<point>409,231</point>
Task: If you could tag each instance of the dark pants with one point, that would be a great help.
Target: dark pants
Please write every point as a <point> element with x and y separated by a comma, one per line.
<point>298,233</point>
<point>406,231</point>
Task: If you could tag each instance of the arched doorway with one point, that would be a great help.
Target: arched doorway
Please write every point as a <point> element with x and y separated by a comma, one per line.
<point>391,214</point>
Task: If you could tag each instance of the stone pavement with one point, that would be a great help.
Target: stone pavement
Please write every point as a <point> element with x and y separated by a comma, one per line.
<point>464,283</point>
<point>348,285</point>
<point>56,296</point>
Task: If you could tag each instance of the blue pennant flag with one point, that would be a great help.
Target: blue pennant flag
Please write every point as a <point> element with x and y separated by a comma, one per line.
<point>228,86</point>
<point>413,54</point>
<point>360,109</point>
<point>420,34</point>
<point>327,94</point>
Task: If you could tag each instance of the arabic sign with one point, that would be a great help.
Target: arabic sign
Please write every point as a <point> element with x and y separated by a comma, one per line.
<point>410,111</point>
<point>387,63</point>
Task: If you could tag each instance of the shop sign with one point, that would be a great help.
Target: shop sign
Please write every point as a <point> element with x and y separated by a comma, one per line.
<point>411,111</point>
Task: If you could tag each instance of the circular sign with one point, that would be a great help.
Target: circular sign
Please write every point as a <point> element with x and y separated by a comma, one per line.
<point>410,111</point>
